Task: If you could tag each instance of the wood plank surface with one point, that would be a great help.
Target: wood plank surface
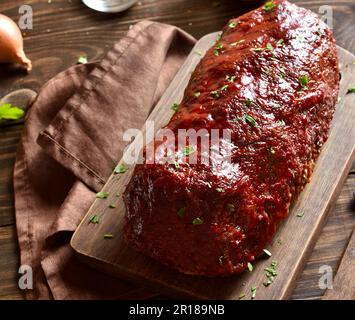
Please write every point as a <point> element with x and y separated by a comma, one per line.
<point>65,29</point>
<point>331,244</point>
<point>10,136</point>
<point>344,285</point>
<point>298,234</point>
<point>9,264</point>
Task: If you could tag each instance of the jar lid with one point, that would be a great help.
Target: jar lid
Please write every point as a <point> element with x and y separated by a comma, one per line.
<point>109,5</point>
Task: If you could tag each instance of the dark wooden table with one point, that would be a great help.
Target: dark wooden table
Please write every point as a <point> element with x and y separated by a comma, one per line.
<point>65,29</point>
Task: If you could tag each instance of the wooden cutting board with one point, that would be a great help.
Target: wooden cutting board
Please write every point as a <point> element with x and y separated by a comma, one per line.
<point>292,243</point>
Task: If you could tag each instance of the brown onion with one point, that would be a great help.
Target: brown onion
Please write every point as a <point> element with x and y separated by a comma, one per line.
<point>11,43</point>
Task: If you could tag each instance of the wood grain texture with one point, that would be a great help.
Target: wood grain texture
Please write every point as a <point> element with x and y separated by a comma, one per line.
<point>65,29</point>
<point>344,284</point>
<point>298,234</point>
<point>9,138</point>
<point>331,244</point>
<point>9,264</point>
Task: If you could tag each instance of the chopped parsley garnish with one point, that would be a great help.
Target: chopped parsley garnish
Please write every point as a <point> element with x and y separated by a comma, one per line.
<point>102,195</point>
<point>199,53</point>
<point>257,49</point>
<point>219,46</point>
<point>248,102</point>
<point>117,194</point>
<point>267,252</point>
<point>188,150</point>
<point>232,25</point>
<point>269,6</point>
<point>270,273</point>
<point>250,267</point>
<point>220,190</point>
<point>94,219</point>
<point>300,214</point>
<point>9,112</point>
<point>169,153</point>
<point>83,59</point>
<point>216,94</point>
<point>230,78</point>
<point>253,292</point>
<point>197,221</point>
<point>181,212</point>
<point>121,169</point>
<point>230,207</point>
<point>177,165</point>
<point>233,44</point>
<point>251,120</point>
<point>280,42</point>
<point>112,206</point>
<point>282,75</point>
<point>108,236</point>
<point>197,94</point>
<point>219,37</point>
<point>241,296</point>
<point>303,81</point>
<point>320,32</point>
<point>269,46</point>
<point>175,107</point>
<point>300,38</point>
<point>351,90</point>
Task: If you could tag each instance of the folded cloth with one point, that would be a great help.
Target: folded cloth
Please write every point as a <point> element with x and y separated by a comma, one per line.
<point>71,142</point>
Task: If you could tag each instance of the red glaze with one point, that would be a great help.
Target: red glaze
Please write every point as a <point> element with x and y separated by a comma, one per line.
<point>271,162</point>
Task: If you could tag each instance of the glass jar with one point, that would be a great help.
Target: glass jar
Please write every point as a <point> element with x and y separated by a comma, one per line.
<point>109,5</point>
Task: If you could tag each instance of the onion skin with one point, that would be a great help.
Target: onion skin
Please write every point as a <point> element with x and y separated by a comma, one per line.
<point>11,43</point>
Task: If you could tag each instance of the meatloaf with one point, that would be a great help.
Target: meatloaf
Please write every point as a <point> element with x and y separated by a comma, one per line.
<point>272,79</point>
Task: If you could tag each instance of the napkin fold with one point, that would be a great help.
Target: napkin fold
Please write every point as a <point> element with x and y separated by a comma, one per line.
<point>71,142</point>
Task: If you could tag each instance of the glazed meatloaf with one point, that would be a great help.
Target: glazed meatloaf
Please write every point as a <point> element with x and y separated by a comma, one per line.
<point>272,79</point>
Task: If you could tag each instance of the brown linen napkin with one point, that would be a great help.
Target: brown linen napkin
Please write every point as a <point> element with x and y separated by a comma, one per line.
<point>78,120</point>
